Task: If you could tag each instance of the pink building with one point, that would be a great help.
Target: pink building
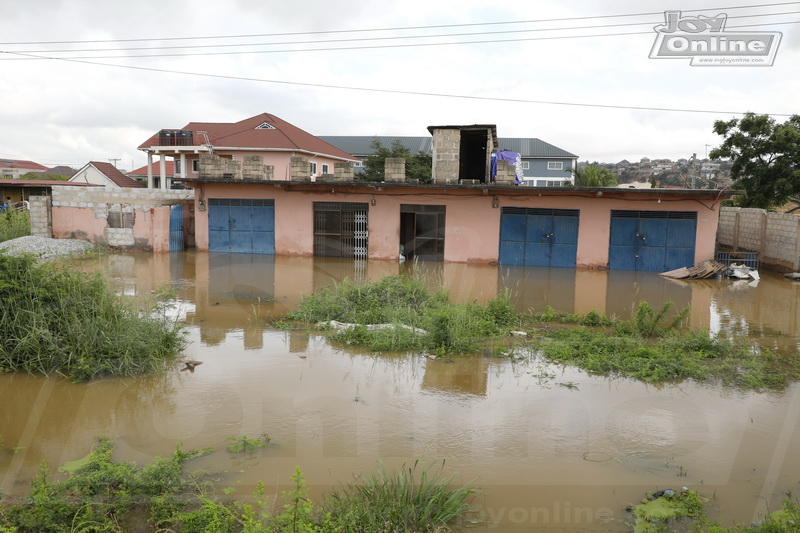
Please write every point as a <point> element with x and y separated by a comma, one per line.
<point>302,198</point>
<point>266,136</point>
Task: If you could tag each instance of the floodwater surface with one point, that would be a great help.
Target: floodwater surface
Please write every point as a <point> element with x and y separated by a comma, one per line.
<point>551,448</point>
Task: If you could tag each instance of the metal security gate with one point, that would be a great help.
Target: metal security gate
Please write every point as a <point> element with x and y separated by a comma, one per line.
<point>341,229</point>
<point>244,226</point>
<point>176,241</point>
<point>652,240</point>
<point>539,237</point>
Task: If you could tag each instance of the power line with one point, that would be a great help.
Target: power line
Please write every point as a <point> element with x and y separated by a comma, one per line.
<point>32,56</point>
<point>362,39</point>
<point>398,28</point>
<point>414,93</point>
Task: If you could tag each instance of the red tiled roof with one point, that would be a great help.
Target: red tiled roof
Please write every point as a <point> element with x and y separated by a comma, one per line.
<point>45,183</point>
<point>142,171</point>
<point>243,134</point>
<point>19,163</point>
<point>112,173</point>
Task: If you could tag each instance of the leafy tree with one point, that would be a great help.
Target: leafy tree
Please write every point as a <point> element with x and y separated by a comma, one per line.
<point>40,176</point>
<point>417,166</point>
<point>765,157</point>
<point>593,176</point>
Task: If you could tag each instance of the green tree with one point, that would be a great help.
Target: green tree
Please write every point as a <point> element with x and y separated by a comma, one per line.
<point>40,176</point>
<point>765,157</point>
<point>593,176</point>
<point>418,166</point>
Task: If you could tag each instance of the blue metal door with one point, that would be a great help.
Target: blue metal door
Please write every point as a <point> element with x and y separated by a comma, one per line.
<point>539,237</point>
<point>241,226</point>
<point>652,240</point>
<point>176,242</point>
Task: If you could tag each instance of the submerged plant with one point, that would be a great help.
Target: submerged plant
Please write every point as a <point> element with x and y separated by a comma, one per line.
<point>245,444</point>
<point>411,317</point>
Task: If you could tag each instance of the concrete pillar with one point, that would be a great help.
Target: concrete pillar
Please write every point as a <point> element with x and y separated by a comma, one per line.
<point>183,165</point>
<point>163,171</point>
<point>149,170</point>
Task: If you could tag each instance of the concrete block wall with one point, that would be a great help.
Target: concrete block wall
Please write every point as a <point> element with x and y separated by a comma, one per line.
<point>214,166</point>
<point>394,169</point>
<point>105,215</point>
<point>445,150</point>
<point>344,171</point>
<point>506,173</point>
<point>775,236</point>
<point>41,224</point>
<point>99,199</point>
<point>301,169</point>
<point>253,168</point>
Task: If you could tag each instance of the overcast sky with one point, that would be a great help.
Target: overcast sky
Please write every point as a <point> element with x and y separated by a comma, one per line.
<point>223,61</point>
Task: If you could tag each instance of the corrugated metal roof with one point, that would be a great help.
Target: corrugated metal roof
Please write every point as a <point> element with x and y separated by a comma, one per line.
<point>362,146</point>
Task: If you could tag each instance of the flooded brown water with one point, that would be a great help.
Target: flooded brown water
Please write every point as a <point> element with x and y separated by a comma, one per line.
<point>546,457</point>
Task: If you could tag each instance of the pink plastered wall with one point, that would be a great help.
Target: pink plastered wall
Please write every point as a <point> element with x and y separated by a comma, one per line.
<point>472,223</point>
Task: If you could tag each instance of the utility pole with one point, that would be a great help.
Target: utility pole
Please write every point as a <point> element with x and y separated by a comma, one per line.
<point>707,150</point>
<point>114,161</point>
<point>692,164</point>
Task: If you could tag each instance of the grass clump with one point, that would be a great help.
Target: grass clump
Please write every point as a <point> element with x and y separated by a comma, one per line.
<point>403,500</point>
<point>407,307</point>
<point>54,320</point>
<point>103,495</point>
<point>14,224</point>
<point>652,348</point>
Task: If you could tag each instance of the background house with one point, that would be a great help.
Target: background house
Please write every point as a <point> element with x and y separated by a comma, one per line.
<point>14,168</point>
<point>103,174</point>
<point>543,164</point>
<point>265,136</point>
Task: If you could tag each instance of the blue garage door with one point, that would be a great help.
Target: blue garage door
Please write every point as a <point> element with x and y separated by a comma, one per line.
<point>652,240</point>
<point>242,226</point>
<point>538,237</point>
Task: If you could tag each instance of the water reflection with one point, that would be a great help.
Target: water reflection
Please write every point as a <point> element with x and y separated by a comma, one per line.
<point>548,457</point>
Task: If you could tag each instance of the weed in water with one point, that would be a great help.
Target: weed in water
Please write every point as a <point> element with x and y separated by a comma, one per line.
<point>248,445</point>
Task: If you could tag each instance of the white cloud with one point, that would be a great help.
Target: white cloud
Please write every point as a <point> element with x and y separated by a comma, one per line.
<point>56,112</point>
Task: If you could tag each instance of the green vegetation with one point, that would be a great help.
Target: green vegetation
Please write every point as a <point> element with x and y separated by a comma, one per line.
<point>685,512</point>
<point>593,176</point>
<point>405,500</point>
<point>418,166</point>
<point>56,320</point>
<point>101,495</point>
<point>248,445</point>
<point>14,224</point>
<point>765,157</point>
<point>398,314</point>
<point>647,348</point>
<point>406,304</point>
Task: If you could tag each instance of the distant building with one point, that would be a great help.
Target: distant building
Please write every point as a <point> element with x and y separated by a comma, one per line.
<point>543,165</point>
<point>103,174</point>
<point>14,168</point>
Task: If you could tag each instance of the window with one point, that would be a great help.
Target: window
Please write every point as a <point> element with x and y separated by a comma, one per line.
<point>195,165</point>
<point>313,168</point>
<point>358,164</point>
<point>526,165</point>
<point>177,167</point>
<point>325,169</point>
<point>555,165</point>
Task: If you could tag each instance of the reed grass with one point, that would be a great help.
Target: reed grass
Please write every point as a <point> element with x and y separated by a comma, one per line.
<point>14,224</point>
<point>407,499</point>
<point>54,320</point>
